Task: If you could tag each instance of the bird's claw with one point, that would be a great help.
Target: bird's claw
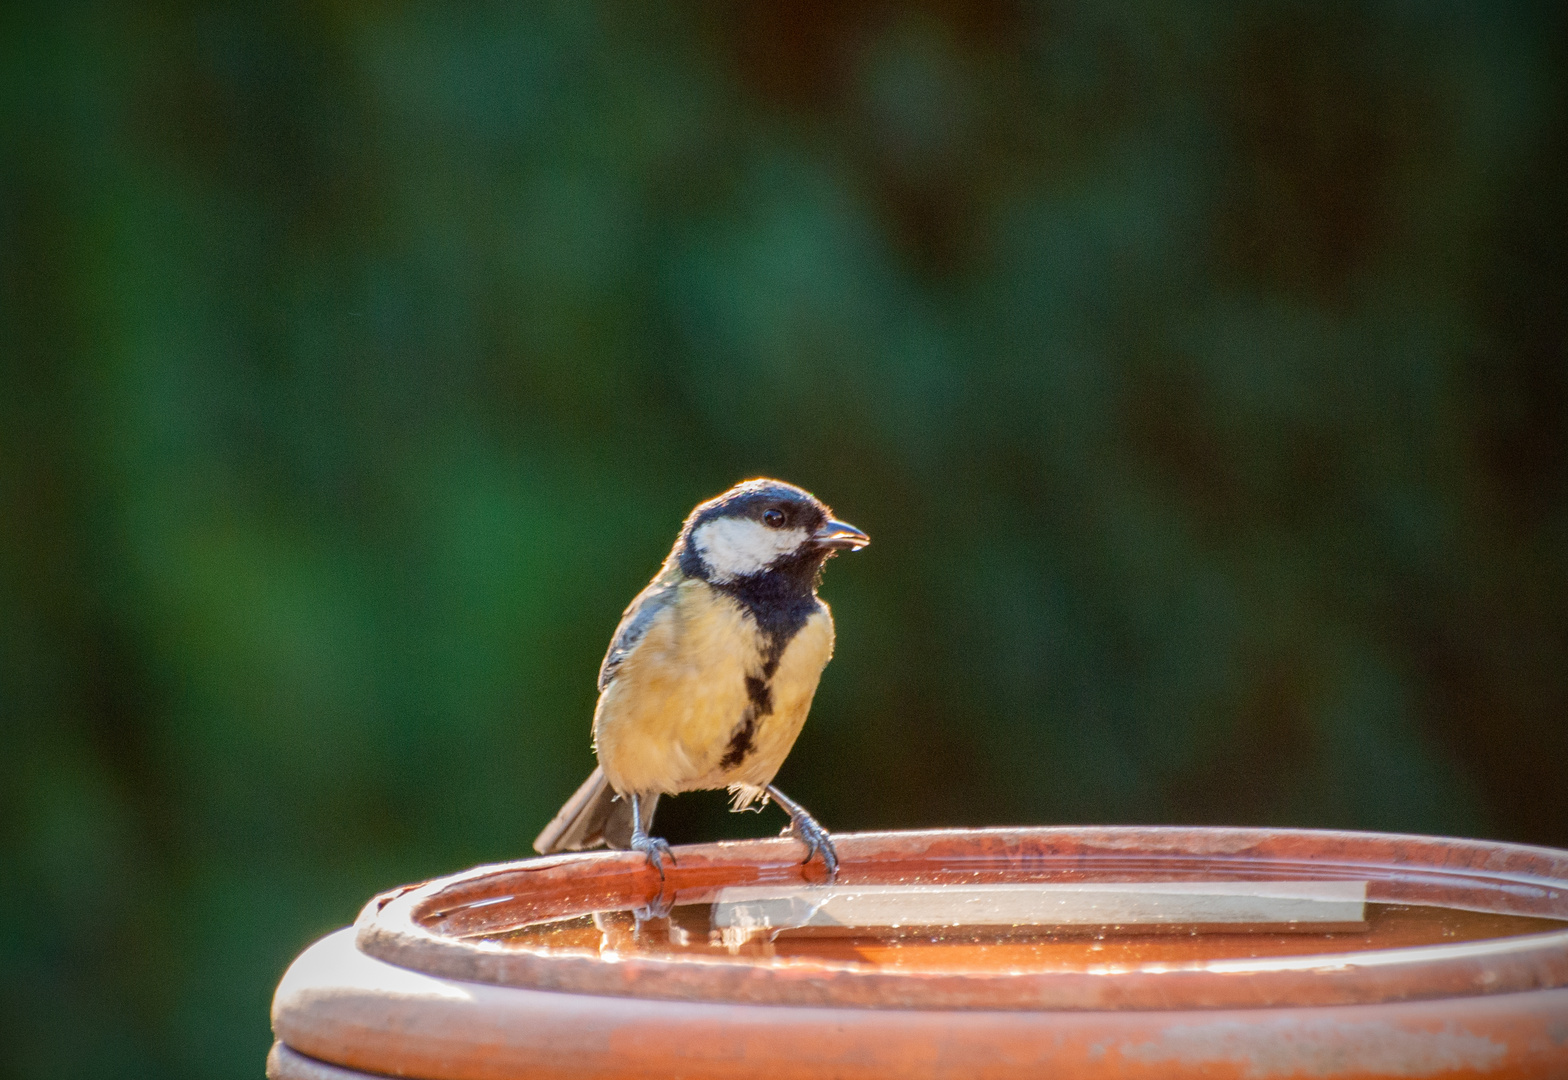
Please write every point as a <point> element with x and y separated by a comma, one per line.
<point>657,908</point>
<point>656,848</point>
<point>804,828</point>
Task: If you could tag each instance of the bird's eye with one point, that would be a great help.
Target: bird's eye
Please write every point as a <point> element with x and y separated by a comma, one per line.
<point>773,519</point>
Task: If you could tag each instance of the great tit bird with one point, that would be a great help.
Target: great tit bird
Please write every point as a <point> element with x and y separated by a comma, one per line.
<point>711,671</point>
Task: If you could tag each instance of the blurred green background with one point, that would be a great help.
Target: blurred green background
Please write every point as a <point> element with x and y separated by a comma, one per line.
<point>1198,370</point>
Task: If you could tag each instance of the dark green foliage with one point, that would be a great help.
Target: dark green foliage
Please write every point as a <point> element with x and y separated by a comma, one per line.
<point>1199,373</point>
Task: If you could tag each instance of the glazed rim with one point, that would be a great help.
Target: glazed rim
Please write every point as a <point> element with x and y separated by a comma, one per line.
<point>440,927</point>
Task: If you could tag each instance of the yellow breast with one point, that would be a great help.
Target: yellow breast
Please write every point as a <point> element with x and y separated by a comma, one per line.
<point>665,722</point>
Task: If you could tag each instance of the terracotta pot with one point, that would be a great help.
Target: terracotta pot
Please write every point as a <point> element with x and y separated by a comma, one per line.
<point>442,981</point>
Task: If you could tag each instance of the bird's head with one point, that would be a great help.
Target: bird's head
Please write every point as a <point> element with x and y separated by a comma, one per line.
<point>759,528</point>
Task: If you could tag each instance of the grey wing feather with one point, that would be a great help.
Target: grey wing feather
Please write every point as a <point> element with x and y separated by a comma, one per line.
<point>635,621</point>
<point>594,815</point>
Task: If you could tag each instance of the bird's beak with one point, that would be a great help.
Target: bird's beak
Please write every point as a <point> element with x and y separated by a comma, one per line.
<point>837,536</point>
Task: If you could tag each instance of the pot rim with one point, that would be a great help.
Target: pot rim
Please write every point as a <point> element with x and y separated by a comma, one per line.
<point>419,926</point>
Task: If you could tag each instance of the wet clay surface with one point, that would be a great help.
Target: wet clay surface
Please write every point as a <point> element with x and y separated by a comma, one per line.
<point>688,931</point>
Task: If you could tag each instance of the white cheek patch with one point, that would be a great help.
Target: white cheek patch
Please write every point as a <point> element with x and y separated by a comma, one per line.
<point>738,547</point>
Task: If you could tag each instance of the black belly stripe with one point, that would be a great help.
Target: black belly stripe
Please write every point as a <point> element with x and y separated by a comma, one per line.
<point>740,742</point>
<point>760,693</point>
<point>780,603</point>
<point>761,696</point>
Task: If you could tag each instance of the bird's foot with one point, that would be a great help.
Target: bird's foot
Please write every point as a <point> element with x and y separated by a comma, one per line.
<point>657,908</point>
<point>656,848</point>
<point>804,827</point>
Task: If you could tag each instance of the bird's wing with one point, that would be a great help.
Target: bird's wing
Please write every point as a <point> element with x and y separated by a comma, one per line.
<point>635,621</point>
<point>594,815</point>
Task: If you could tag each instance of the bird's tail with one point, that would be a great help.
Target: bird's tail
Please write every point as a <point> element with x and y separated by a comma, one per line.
<point>594,815</point>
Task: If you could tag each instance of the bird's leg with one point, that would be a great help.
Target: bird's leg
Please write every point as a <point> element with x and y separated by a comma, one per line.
<point>804,828</point>
<point>654,847</point>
